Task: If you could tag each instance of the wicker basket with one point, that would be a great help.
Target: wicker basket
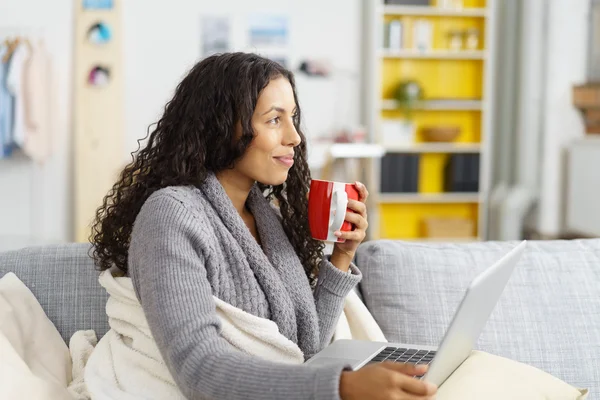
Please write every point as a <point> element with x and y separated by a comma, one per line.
<point>449,227</point>
<point>441,133</point>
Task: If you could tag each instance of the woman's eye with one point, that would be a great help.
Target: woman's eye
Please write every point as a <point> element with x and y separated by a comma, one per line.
<point>274,121</point>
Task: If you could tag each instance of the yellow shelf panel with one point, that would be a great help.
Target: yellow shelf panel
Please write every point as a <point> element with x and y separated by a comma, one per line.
<point>469,122</point>
<point>431,172</point>
<point>449,79</point>
<point>472,3</point>
<point>405,221</point>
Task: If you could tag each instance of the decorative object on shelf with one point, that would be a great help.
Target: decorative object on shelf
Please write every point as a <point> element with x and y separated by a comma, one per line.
<point>455,39</point>
<point>408,94</point>
<point>441,133</point>
<point>99,33</point>
<point>472,39</point>
<point>587,99</point>
<point>592,121</point>
<point>393,35</point>
<point>397,132</point>
<point>461,173</point>
<point>423,35</point>
<point>99,76</point>
<point>400,173</point>
<point>357,134</point>
<point>587,96</point>
<point>315,67</point>
<point>448,227</point>
<point>451,4</point>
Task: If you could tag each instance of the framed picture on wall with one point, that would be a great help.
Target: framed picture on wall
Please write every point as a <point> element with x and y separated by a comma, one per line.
<point>267,30</point>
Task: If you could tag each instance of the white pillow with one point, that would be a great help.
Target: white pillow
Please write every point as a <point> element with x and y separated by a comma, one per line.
<point>486,376</point>
<point>34,360</point>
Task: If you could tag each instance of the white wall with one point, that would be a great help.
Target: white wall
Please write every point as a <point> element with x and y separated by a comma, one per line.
<point>35,201</point>
<point>567,36</point>
<point>162,41</point>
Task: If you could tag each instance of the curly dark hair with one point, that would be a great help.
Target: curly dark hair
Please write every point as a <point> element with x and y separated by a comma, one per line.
<point>195,136</point>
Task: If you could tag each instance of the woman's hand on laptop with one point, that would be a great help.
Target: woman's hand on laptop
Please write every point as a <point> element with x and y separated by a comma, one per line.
<point>386,381</point>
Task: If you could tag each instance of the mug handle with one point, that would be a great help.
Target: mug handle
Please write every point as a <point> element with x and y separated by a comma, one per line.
<point>341,204</point>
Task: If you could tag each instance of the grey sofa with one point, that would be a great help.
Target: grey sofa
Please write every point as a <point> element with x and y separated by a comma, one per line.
<point>548,316</point>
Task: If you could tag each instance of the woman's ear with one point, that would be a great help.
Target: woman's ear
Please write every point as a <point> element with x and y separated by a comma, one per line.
<point>238,131</point>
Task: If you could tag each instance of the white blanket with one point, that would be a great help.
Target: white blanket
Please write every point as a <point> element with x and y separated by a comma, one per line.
<point>126,363</point>
<point>35,362</point>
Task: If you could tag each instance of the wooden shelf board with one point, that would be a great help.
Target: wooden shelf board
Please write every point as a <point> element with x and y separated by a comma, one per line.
<point>392,198</point>
<point>434,148</point>
<point>435,54</point>
<point>441,105</point>
<point>434,11</point>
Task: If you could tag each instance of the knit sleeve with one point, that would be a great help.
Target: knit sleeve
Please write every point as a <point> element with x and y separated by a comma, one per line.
<point>166,264</point>
<point>330,294</point>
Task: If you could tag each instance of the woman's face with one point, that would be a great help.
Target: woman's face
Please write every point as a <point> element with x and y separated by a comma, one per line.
<point>271,153</point>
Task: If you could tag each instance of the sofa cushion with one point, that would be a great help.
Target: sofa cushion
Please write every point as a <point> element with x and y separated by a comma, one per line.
<point>547,317</point>
<point>64,282</point>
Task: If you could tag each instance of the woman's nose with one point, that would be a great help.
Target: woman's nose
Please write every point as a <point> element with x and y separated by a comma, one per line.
<point>292,137</point>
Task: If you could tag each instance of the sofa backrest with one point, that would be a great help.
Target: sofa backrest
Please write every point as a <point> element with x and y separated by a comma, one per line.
<point>65,282</point>
<point>548,315</point>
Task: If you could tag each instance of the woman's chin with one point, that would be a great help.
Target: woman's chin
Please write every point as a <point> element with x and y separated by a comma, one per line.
<point>274,179</point>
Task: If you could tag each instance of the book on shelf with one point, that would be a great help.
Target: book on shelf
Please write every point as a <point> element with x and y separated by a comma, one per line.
<point>461,173</point>
<point>400,173</point>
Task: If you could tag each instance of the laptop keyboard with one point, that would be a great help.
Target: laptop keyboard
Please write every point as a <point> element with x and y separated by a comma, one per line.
<point>398,354</point>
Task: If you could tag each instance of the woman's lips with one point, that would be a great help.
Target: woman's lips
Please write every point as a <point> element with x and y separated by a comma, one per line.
<point>288,161</point>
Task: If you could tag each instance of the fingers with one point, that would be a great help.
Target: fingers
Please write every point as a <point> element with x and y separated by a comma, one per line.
<point>417,387</point>
<point>407,369</point>
<point>363,193</point>
<point>358,207</point>
<point>357,220</point>
<point>357,236</point>
<point>408,383</point>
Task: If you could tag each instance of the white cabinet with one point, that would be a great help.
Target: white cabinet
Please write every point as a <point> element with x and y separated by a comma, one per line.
<point>583,191</point>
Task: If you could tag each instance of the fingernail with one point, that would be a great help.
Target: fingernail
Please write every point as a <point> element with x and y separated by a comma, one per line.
<point>359,184</point>
<point>337,233</point>
<point>431,386</point>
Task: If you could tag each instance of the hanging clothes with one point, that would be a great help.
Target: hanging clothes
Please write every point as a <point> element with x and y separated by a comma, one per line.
<point>25,99</point>
<point>6,107</point>
<point>15,84</point>
<point>36,102</point>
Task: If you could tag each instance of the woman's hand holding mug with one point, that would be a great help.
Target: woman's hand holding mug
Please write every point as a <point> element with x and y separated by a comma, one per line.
<point>338,213</point>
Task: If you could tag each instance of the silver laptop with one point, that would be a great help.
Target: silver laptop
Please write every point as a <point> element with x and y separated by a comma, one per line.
<point>469,320</point>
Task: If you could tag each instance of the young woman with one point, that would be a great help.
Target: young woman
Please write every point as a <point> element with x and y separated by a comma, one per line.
<point>193,217</point>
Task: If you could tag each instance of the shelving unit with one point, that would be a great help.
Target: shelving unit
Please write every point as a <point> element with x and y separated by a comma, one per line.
<point>456,86</point>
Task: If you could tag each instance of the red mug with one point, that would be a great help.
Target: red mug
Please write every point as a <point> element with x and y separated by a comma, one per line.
<point>327,206</point>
